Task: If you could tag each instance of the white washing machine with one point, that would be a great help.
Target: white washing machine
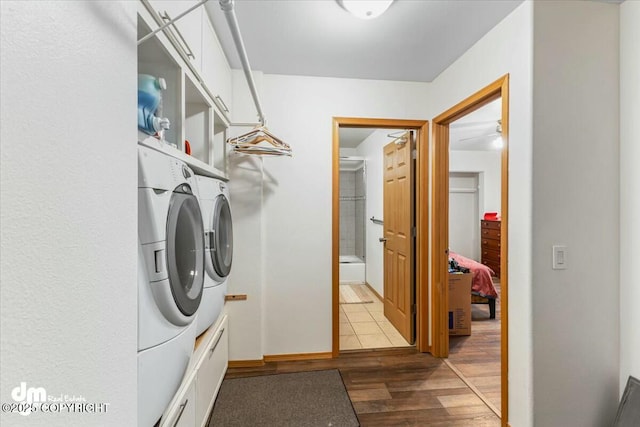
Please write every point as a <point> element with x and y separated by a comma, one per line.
<point>170,278</point>
<point>218,228</point>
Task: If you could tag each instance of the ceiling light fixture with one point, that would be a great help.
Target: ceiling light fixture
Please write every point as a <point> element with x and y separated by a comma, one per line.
<point>365,9</point>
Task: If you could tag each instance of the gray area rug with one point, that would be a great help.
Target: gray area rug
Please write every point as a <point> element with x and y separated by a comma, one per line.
<point>302,399</point>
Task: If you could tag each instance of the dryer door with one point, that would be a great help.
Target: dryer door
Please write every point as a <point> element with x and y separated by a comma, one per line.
<point>221,237</point>
<point>185,248</point>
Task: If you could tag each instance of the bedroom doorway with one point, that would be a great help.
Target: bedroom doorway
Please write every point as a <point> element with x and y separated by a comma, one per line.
<point>379,153</point>
<point>470,167</point>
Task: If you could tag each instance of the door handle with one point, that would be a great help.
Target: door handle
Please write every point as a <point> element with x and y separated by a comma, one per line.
<point>383,239</point>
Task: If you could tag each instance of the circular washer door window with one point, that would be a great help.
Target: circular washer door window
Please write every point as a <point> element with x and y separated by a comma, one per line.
<point>221,242</point>
<point>185,249</point>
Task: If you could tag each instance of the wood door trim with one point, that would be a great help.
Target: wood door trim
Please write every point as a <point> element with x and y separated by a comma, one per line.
<point>440,215</point>
<point>421,215</point>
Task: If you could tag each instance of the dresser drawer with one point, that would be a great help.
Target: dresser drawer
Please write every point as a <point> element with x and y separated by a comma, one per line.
<point>490,224</point>
<point>491,233</point>
<point>490,244</point>
<point>495,266</point>
<point>491,255</point>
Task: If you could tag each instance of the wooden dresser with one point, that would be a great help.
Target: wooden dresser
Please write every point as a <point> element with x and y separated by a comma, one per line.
<point>490,239</point>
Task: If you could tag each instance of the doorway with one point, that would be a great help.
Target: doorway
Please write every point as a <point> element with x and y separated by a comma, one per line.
<point>441,254</point>
<point>372,252</point>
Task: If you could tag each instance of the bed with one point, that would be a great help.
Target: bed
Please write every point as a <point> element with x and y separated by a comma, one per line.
<point>482,289</point>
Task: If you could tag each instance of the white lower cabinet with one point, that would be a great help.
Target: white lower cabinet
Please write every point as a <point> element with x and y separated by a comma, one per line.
<point>184,413</point>
<point>194,401</point>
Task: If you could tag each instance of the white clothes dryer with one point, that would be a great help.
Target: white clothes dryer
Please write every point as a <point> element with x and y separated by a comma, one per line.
<point>218,230</point>
<point>170,278</point>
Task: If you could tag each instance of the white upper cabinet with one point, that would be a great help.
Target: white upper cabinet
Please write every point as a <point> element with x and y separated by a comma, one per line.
<point>197,98</point>
<point>187,31</point>
<point>216,72</point>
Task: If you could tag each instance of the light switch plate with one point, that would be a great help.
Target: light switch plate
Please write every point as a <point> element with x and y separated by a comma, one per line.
<point>559,257</point>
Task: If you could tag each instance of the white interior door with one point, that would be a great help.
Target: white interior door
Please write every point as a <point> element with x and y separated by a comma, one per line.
<point>464,214</point>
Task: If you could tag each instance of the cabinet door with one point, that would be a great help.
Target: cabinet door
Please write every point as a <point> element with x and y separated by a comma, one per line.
<point>187,30</point>
<point>216,72</point>
<point>183,414</point>
<point>211,372</point>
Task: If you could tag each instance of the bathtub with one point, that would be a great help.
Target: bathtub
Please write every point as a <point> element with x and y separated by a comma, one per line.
<point>351,270</point>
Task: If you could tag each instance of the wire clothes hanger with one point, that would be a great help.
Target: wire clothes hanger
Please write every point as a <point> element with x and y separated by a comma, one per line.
<point>260,141</point>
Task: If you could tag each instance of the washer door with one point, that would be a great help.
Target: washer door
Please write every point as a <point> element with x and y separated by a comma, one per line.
<point>185,246</point>
<point>221,237</point>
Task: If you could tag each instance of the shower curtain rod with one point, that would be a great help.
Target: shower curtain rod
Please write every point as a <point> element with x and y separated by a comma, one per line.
<point>230,15</point>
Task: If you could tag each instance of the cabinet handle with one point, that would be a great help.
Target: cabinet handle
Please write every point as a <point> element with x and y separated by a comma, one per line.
<point>215,344</point>
<point>186,47</point>
<point>182,406</point>
<point>224,106</point>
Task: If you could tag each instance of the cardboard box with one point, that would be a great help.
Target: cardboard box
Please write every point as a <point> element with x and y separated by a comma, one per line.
<point>459,303</point>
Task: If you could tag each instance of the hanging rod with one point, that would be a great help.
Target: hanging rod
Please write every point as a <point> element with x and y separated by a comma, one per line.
<point>399,135</point>
<point>170,22</point>
<point>230,15</point>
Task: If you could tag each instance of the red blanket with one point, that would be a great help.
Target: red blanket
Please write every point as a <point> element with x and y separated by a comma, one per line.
<point>481,281</point>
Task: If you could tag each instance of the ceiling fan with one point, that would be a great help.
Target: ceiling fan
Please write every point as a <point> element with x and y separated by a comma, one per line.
<point>496,133</point>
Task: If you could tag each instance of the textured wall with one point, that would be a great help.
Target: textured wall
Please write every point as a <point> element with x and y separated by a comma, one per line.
<point>575,200</point>
<point>629,189</point>
<point>68,207</point>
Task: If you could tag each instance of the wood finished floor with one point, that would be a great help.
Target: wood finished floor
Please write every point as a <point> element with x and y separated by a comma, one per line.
<point>396,387</point>
<point>477,356</point>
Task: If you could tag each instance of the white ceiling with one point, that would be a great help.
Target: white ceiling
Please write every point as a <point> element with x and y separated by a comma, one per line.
<point>415,40</point>
<point>352,137</point>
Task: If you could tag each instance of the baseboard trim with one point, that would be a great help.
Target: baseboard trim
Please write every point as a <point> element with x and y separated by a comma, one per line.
<point>246,363</point>
<point>374,291</point>
<point>297,356</point>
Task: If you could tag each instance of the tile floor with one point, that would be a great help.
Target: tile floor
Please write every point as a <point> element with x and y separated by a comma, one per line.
<point>364,326</point>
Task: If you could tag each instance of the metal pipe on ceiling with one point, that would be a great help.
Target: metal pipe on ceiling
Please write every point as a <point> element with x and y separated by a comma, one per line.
<point>230,15</point>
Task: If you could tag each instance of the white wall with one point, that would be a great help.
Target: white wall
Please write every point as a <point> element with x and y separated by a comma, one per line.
<point>371,150</point>
<point>297,222</point>
<point>68,211</point>
<point>247,186</point>
<point>575,203</point>
<point>488,164</point>
<point>629,190</point>
<point>296,218</point>
<point>507,48</point>
<point>298,213</point>
<point>347,152</point>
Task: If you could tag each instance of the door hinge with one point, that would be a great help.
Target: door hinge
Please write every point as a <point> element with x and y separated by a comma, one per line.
<point>414,232</point>
<point>414,154</point>
<point>413,309</point>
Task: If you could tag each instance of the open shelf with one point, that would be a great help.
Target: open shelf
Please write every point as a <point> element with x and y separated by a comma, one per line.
<point>197,122</point>
<point>187,103</point>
